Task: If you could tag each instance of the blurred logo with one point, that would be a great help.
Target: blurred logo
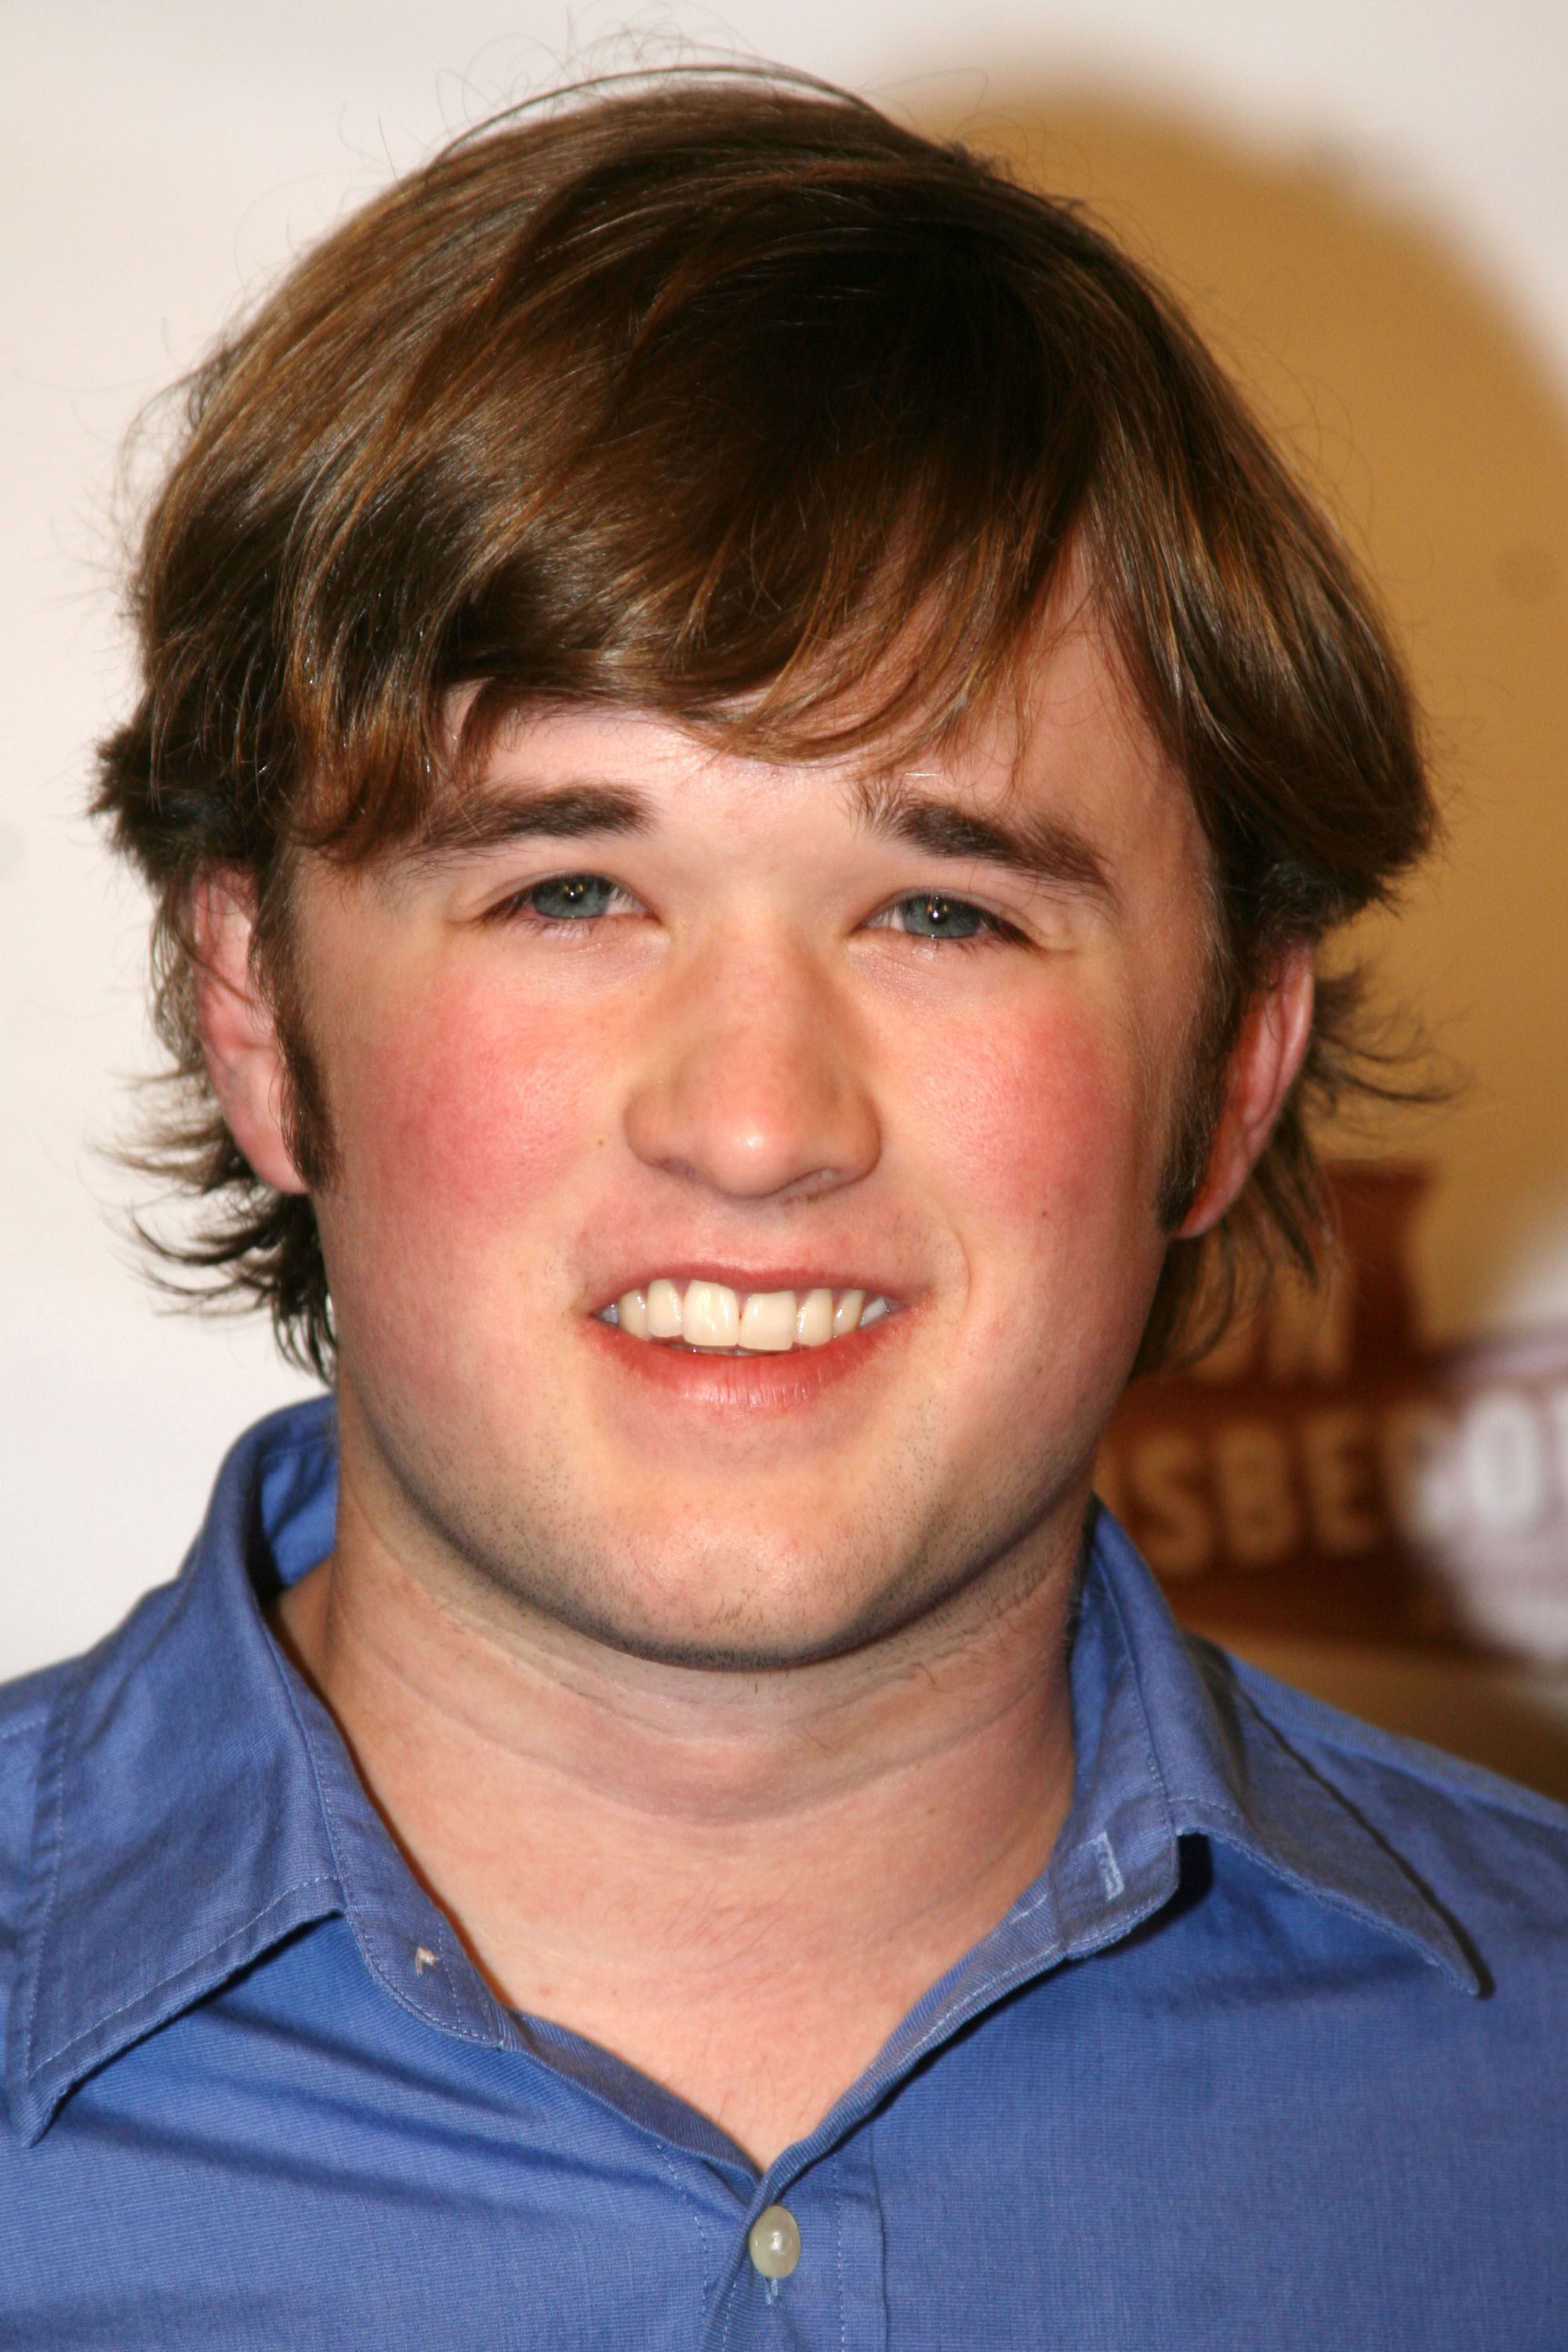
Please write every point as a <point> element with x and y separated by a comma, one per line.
<point>1327,1473</point>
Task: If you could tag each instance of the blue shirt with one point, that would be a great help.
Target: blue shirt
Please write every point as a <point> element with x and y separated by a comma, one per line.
<point>1272,2054</point>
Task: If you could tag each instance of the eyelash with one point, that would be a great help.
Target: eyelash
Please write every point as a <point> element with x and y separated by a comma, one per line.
<point>994,931</point>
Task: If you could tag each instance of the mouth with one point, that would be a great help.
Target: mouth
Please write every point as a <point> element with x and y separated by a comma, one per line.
<point>707,1318</point>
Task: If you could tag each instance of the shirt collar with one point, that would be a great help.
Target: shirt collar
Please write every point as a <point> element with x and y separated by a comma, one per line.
<point>1245,1773</point>
<point>1168,1743</point>
<point>195,1804</point>
<point>178,1831</point>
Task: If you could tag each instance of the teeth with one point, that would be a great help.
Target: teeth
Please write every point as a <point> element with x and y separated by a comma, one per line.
<point>664,1318</point>
<point>813,1319</point>
<point>712,1314</point>
<point>767,1321</point>
<point>631,1313</point>
<point>846,1314</point>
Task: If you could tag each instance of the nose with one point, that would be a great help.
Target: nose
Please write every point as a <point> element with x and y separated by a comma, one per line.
<point>756,1083</point>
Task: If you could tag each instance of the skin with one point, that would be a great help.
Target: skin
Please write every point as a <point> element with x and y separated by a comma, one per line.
<point>740,1697</point>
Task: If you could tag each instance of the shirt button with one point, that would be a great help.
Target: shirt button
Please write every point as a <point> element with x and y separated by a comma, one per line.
<point>775,2241</point>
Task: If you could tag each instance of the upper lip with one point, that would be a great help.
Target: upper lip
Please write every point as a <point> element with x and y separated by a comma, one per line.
<point>797,1276</point>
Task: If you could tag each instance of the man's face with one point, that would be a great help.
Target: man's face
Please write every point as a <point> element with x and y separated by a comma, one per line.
<point>779,1029</point>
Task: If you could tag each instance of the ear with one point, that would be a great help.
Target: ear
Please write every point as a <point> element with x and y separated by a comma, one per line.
<point>239,1037</point>
<point>1264,1064</point>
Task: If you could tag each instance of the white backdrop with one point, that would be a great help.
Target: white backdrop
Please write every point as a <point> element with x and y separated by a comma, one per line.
<point>158,163</point>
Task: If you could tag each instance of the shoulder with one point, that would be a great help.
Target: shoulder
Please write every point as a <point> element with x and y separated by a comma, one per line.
<point>1487,1848</point>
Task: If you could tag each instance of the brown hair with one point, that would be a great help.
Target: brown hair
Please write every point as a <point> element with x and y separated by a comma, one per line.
<point>699,395</point>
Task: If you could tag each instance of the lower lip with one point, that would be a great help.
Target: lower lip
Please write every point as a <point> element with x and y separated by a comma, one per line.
<point>760,1383</point>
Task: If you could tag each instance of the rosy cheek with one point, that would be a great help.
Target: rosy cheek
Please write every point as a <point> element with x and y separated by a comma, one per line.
<point>1038,1121</point>
<point>469,1106</point>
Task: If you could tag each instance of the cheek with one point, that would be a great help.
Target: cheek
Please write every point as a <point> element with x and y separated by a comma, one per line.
<point>1042,1125</point>
<point>464,1107</point>
<point>1049,1169</point>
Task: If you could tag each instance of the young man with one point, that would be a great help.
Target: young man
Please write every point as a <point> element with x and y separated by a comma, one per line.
<point>744,755</point>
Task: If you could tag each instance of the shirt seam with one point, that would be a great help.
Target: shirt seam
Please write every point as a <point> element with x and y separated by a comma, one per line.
<point>347,1881</point>
<point>878,2228</point>
<point>1190,1800</point>
<point>1344,1734</point>
<point>52,2057</point>
<point>683,2191</point>
<point>1151,1755</point>
<point>843,2311</point>
<point>730,2292</point>
<point>49,1797</point>
<point>1410,1887</point>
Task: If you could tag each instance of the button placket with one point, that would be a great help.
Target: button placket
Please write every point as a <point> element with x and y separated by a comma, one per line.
<point>860,2251</point>
<point>821,2236</point>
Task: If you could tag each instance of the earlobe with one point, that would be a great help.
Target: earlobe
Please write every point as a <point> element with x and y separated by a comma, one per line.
<point>1264,1065</point>
<point>240,1044</point>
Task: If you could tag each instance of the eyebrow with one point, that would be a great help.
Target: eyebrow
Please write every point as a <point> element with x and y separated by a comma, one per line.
<point>1040,849</point>
<point>483,819</point>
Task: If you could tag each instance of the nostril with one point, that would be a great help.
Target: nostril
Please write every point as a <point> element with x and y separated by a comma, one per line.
<point>743,1118</point>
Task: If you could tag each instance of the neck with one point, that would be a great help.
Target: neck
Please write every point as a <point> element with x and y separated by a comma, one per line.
<point>656,1856</point>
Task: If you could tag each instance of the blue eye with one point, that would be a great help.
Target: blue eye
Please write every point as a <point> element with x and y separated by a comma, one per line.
<point>933,916</point>
<point>564,902</point>
<point>570,898</point>
<point>941,918</point>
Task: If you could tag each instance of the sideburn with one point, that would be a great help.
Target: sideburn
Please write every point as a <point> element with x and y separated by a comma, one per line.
<point>306,1118</point>
<point>1200,1101</point>
<point>307,1123</point>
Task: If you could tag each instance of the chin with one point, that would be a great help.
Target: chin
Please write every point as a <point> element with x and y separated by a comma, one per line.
<point>701,1650</point>
<point>742,1638</point>
<point>796,1614</point>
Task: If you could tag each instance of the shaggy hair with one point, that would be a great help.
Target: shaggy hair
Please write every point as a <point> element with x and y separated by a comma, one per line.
<point>724,396</point>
